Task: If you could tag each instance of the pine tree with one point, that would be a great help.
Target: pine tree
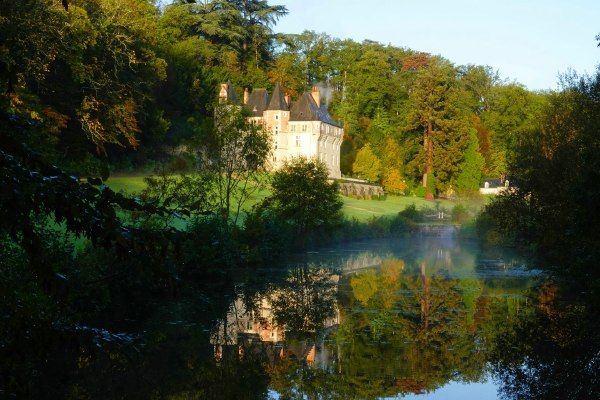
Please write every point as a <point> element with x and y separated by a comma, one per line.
<point>434,100</point>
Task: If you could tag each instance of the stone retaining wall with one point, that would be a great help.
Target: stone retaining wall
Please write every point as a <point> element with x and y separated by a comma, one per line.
<point>361,190</point>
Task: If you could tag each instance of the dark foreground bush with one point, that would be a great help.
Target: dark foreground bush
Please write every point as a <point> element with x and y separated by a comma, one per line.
<point>411,213</point>
<point>211,246</point>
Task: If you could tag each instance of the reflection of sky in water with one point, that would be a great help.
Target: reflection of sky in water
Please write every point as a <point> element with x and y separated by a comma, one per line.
<point>461,259</point>
<point>458,391</point>
<point>452,391</point>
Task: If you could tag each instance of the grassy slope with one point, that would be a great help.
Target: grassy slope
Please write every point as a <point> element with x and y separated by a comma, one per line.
<point>126,184</point>
<point>365,209</point>
<point>353,208</point>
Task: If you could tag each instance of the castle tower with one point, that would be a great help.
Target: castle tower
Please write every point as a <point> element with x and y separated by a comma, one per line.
<point>276,117</point>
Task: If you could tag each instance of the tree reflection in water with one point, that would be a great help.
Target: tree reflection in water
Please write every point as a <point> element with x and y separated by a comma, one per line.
<point>288,325</point>
<point>393,329</point>
<point>410,330</point>
<point>400,326</point>
<point>306,302</point>
<point>554,353</point>
<point>396,328</point>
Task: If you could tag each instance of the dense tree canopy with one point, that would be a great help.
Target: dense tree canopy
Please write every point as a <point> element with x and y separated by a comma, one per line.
<point>553,208</point>
<point>102,73</point>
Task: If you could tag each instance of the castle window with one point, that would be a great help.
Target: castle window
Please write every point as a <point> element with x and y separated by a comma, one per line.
<point>304,127</point>
<point>292,128</point>
<point>276,116</point>
<point>297,141</point>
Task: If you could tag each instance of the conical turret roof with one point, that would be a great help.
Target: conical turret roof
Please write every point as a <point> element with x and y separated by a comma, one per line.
<point>277,100</point>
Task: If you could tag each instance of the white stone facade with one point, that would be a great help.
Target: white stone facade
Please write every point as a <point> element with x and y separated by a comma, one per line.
<point>301,128</point>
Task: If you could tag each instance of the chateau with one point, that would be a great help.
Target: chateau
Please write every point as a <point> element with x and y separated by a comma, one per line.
<point>300,128</point>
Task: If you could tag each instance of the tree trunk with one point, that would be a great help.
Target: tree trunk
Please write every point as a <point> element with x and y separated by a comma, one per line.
<point>428,168</point>
<point>425,139</point>
<point>425,305</point>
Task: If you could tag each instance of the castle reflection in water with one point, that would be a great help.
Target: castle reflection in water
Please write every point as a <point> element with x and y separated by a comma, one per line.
<point>254,329</point>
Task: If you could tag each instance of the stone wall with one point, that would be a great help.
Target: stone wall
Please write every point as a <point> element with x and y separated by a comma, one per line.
<point>361,190</point>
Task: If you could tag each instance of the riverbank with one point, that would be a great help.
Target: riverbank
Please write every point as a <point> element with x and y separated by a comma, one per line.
<point>359,209</point>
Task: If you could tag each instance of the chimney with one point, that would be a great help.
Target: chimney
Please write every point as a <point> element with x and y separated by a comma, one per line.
<point>246,95</point>
<point>316,95</point>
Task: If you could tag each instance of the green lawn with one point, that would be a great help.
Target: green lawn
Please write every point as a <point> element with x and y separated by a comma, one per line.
<point>126,184</point>
<point>353,208</point>
<point>365,209</point>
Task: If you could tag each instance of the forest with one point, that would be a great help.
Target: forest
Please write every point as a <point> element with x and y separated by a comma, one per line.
<point>127,85</point>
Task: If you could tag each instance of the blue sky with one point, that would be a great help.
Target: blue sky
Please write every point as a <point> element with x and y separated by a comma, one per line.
<point>527,41</point>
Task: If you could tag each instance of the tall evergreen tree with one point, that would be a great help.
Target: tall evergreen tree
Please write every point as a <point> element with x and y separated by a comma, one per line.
<point>434,100</point>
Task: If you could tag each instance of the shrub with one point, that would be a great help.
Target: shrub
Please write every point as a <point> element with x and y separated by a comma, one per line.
<point>265,236</point>
<point>460,214</point>
<point>401,225</point>
<point>419,191</point>
<point>210,246</point>
<point>393,182</point>
<point>303,198</point>
<point>411,213</point>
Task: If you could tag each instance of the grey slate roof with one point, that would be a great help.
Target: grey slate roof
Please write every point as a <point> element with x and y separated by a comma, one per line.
<point>306,109</point>
<point>277,100</point>
<point>257,102</point>
<point>496,183</point>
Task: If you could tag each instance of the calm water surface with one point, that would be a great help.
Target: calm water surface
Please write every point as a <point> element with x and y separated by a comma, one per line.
<point>419,318</point>
<point>414,318</point>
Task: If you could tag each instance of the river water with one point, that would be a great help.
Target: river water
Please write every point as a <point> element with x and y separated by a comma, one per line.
<point>425,317</point>
<point>412,318</point>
